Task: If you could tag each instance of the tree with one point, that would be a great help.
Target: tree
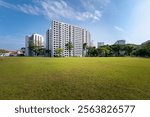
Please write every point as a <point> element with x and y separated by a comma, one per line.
<point>128,49</point>
<point>42,51</point>
<point>104,51</point>
<point>69,46</point>
<point>59,51</point>
<point>116,49</point>
<point>3,51</point>
<point>37,49</point>
<point>84,49</point>
<point>92,51</point>
<point>84,46</point>
<point>143,50</point>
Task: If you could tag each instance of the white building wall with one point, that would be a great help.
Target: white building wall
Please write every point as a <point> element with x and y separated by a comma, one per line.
<point>56,37</point>
<point>71,38</point>
<point>62,33</point>
<point>66,38</point>
<point>78,43</point>
<point>88,38</point>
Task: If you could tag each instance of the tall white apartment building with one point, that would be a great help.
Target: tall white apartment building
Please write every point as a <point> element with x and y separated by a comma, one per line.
<point>34,40</point>
<point>61,33</point>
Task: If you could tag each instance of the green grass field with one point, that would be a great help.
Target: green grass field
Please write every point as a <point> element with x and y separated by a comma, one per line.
<point>74,78</point>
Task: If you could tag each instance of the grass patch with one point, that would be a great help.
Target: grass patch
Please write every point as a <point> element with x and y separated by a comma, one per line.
<point>74,78</point>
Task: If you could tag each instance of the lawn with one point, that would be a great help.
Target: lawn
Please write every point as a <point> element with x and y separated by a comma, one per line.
<point>74,78</point>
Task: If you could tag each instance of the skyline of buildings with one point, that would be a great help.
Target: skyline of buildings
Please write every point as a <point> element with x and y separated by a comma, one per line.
<point>58,36</point>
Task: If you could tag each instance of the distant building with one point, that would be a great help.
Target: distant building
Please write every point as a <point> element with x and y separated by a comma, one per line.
<point>13,53</point>
<point>99,44</point>
<point>61,34</point>
<point>8,53</point>
<point>4,54</point>
<point>120,42</point>
<point>21,52</point>
<point>33,40</point>
<point>23,49</point>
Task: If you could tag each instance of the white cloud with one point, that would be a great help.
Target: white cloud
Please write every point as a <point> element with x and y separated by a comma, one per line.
<point>56,9</point>
<point>7,5</point>
<point>28,9</point>
<point>119,29</point>
<point>94,4</point>
<point>94,8</point>
<point>61,9</point>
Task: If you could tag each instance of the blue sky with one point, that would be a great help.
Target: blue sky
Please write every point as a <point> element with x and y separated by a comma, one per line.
<point>107,20</point>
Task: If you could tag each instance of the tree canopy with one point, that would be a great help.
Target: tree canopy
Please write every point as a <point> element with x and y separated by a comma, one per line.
<point>59,51</point>
<point>120,50</point>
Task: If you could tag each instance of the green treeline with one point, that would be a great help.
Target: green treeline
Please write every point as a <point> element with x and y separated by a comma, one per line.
<point>142,50</point>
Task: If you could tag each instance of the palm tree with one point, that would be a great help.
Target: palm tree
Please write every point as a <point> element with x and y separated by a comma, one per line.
<point>69,46</point>
<point>84,48</point>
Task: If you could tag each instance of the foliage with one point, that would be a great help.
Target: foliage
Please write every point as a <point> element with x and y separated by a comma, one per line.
<point>128,49</point>
<point>117,49</point>
<point>120,50</point>
<point>92,51</point>
<point>3,51</point>
<point>143,51</point>
<point>104,51</point>
<point>59,51</point>
<point>35,48</point>
<point>69,46</point>
<point>84,46</point>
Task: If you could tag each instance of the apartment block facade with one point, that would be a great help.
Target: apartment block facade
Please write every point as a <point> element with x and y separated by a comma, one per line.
<point>33,40</point>
<point>61,34</point>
